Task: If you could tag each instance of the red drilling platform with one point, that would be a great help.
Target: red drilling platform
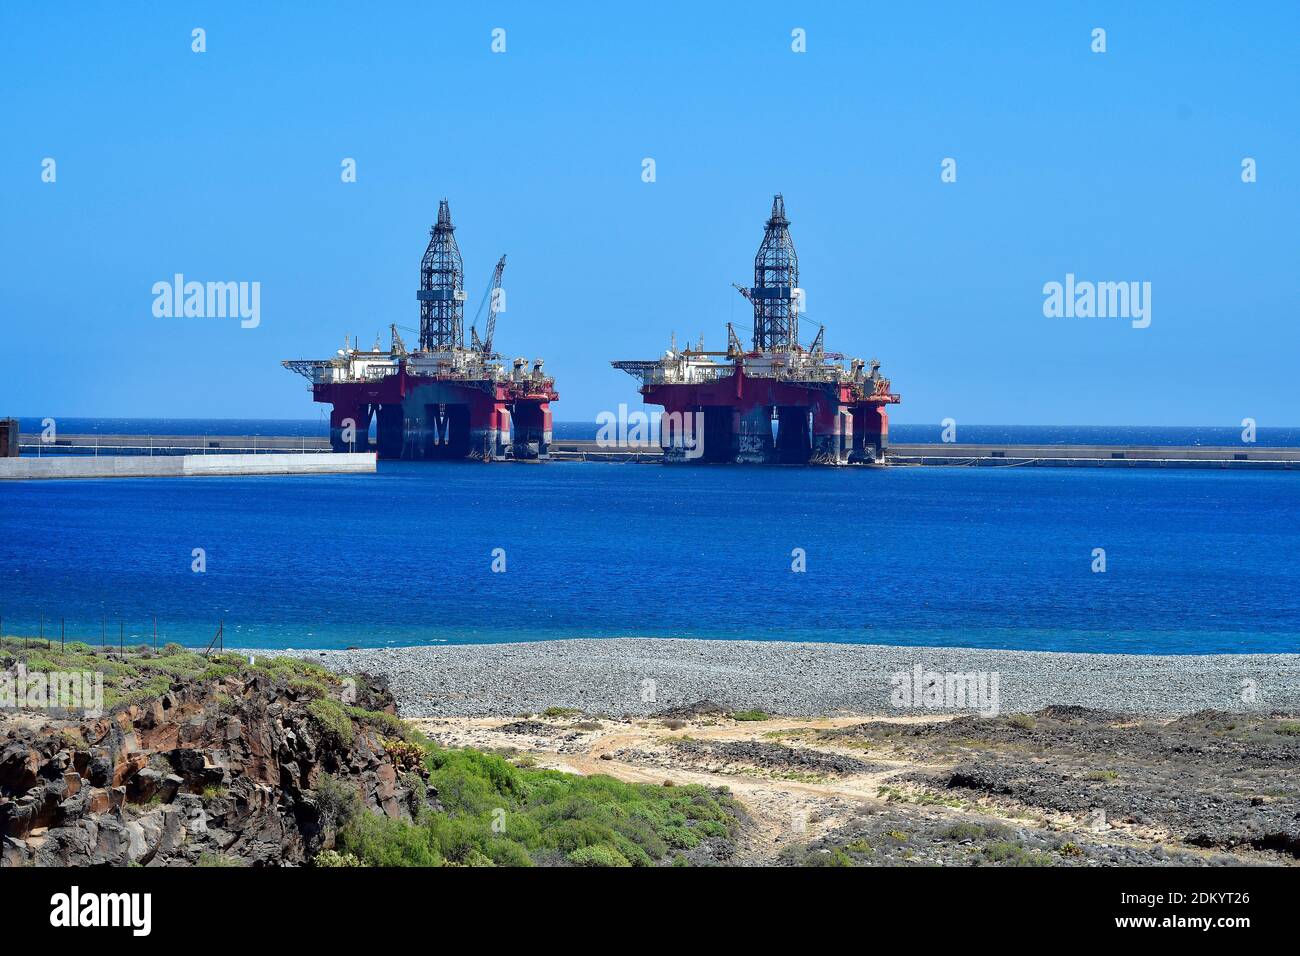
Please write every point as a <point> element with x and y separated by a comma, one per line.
<point>723,411</point>
<point>441,400</point>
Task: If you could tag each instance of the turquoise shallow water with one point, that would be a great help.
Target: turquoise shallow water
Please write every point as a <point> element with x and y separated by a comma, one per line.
<point>1197,562</point>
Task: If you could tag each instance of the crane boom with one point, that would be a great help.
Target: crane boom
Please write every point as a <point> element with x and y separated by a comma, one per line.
<point>494,303</point>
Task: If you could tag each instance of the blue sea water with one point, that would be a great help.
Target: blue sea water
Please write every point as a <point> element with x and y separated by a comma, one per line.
<point>1197,561</point>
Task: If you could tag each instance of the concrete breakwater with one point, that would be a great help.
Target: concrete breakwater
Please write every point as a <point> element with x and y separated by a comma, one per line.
<point>1099,456</point>
<point>1086,456</point>
<point>35,446</point>
<point>931,454</point>
<point>185,466</point>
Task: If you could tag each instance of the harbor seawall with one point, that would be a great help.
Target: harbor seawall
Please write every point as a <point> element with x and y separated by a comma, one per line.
<point>1078,456</point>
<point>185,466</point>
<point>1232,457</point>
<point>1098,456</point>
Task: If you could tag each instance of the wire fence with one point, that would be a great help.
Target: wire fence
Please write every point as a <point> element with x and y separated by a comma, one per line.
<point>50,629</point>
<point>90,445</point>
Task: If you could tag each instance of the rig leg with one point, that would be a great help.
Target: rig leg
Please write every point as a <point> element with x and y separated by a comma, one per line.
<point>501,431</point>
<point>390,431</point>
<point>679,436</point>
<point>832,434</point>
<point>350,422</point>
<point>532,431</point>
<point>489,430</point>
<point>751,430</point>
<point>793,442</point>
<point>870,433</point>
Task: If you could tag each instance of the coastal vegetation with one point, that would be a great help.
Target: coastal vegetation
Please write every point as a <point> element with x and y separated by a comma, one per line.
<point>137,673</point>
<point>454,807</point>
<point>493,813</point>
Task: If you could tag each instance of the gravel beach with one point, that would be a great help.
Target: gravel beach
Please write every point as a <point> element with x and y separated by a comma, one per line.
<point>638,676</point>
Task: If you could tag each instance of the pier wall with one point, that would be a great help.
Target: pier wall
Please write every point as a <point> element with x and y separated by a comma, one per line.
<point>185,466</point>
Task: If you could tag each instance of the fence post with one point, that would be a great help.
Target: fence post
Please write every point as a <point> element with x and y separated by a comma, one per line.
<point>62,642</point>
<point>155,633</point>
<point>121,637</point>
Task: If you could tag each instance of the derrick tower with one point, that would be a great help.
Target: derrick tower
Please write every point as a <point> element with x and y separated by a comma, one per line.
<point>776,276</point>
<point>442,288</point>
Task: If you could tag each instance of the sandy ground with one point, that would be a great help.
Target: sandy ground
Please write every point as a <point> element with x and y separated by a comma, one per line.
<point>781,809</point>
<point>889,798</point>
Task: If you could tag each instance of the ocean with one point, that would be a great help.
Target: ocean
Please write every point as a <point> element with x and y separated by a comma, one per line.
<point>1195,561</point>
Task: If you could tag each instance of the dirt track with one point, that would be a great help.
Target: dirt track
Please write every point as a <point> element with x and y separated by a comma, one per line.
<point>1045,790</point>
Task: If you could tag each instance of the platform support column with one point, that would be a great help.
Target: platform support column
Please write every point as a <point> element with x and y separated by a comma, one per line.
<point>751,435</point>
<point>531,437</point>
<point>832,434</point>
<point>349,421</point>
<point>870,433</point>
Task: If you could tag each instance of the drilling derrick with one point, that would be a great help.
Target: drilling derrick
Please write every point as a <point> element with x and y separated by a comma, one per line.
<point>779,403</point>
<point>776,277</point>
<point>442,288</point>
<point>441,400</point>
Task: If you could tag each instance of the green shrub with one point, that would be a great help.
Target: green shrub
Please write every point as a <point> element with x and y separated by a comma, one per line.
<point>338,800</point>
<point>330,718</point>
<point>751,715</point>
<point>1008,851</point>
<point>332,858</point>
<point>597,855</point>
<point>507,853</point>
<point>307,687</point>
<point>390,726</point>
<point>964,831</point>
<point>496,813</point>
<point>380,841</point>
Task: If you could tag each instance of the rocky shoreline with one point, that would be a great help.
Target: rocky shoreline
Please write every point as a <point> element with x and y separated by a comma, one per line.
<point>271,760</point>
<point>224,771</point>
<point>642,676</point>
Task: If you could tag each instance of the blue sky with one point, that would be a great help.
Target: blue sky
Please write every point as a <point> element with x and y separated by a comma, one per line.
<point>225,165</point>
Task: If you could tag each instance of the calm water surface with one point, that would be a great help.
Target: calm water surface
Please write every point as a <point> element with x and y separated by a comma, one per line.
<point>991,557</point>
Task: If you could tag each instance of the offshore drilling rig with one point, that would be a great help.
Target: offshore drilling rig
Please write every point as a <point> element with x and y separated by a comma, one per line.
<point>441,400</point>
<point>824,412</point>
